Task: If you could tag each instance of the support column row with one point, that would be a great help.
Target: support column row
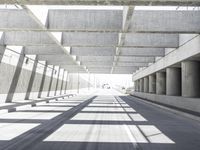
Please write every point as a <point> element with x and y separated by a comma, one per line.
<point>175,81</point>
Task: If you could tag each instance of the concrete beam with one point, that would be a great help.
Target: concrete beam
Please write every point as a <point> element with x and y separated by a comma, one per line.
<point>124,70</point>
<point>117,71</point>
<point>43,50</point>
<point>136,59</point>
<point>142,51</point>
<point>95,58</point>
<point>23,38</point>
<point>131,64</point>
<point>108,2</point>
<point>127,15</point>
<point>49,34</point>
<point>96,63</point>
<point>55,58</point>
<point>190,48</point>
<point>16,19</point>
<point>152,40</point>
<point>166,21</point>
<point>89,39</point>
<point>85,19</point>
<point>93,51</point>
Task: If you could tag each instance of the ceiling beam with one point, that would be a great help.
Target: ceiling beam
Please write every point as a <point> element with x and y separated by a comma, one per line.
<point>108,2</point>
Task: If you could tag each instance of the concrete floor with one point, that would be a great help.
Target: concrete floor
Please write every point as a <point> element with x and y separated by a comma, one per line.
<point>103,122</point>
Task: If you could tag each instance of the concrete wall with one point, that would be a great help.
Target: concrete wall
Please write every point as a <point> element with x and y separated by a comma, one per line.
<point>73,83</point>
<point>187,104</point>
<point>6,77</point>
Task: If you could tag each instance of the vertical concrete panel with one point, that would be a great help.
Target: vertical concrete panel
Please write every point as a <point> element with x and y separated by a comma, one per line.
<point>66,84</point>
<point>15,78</point>
<point>62,82</point>
<point>152,84</point>
<point>161,83</point>
<point>146,84</point>
<point>50,82</point>
<point>173,77</point>
<point>2,50</point>
<point>31,80</point>
<point>190,79</point>
<point>57,82</point>
<point>43,81</point>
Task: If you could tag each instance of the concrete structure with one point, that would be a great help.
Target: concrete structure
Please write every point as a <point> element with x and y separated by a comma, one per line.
<point>49,53</point>
<point>110,2</point>
<point>152,83</point>
<point>190,78</point>
<point>146,85</point>
<point>173,81</point>
<point>160,83</point>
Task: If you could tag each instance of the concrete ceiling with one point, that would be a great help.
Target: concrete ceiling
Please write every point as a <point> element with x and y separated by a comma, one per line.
<point>103,41</point>
<point>105,2</point>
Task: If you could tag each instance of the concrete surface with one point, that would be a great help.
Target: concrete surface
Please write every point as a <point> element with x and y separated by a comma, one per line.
<point>109,2</point>
<point>101,122</point>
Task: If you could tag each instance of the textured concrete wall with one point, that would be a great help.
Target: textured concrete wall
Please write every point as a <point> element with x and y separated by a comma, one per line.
<point>190,104</point>
<point>6,76</point>
<point>73,83</point>
<point>22,85</point>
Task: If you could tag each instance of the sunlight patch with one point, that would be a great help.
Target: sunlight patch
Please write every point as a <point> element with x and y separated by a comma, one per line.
<point>29,115</point>
<point>102,116</point>
<point>11,130</point>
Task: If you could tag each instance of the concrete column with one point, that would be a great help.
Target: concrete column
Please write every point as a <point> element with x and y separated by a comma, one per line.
<point>173,78</point>
<point>138,85</point>
<point>139,89</point>
<point>66,84</point>
<point>146,84</point>
<point>30,84</point>
<point>190,79</point>
<point>57,81</point>
<point>152,84</point>
<point>15,77</point>
<point>135,83</point>
<point>142,85</point>
<point>42,82</point>
<point>161,83</point>
<point>62,82</point>
<point>2,46</point>
<point>2,50</point>
<point>49,90</point>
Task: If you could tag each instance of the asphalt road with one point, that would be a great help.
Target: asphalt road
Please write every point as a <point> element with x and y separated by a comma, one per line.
<point>108,121</point>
